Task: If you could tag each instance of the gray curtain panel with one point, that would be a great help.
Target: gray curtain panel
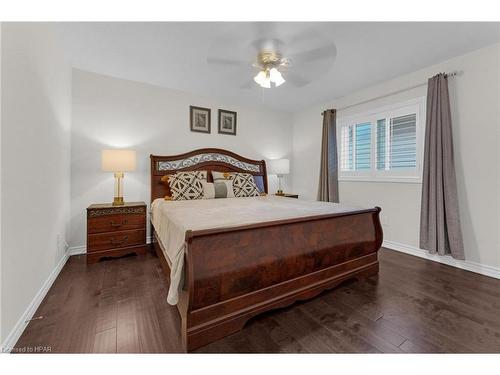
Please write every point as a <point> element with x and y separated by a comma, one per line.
<point>328,190</point>
<point>439,217</point>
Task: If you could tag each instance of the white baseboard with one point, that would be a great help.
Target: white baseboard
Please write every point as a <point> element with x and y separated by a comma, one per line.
<point>23,321</point>
<point>18,329</point>
<point>76,250</point>
<point>463,264</point>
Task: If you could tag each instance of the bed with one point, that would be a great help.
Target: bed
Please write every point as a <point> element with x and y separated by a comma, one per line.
<point>231,259</point>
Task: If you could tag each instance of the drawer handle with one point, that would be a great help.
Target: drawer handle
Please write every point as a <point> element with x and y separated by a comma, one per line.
<point>116,225</point>
<point>119,242</point>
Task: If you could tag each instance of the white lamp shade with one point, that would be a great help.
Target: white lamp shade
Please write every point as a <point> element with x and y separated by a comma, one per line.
<point>279,166</point>
<point>118,160</point>
<point>260,77</point>
<point>263,79</point>
<point>276,77</point>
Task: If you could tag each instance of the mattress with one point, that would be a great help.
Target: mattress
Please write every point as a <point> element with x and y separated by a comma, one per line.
<point>171,220</point>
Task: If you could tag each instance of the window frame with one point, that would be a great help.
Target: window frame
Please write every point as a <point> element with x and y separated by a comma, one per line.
<point>416,106</point>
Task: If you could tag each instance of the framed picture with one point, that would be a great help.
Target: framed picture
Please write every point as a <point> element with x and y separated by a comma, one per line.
<point>199,119</point>
<point>227,122</point>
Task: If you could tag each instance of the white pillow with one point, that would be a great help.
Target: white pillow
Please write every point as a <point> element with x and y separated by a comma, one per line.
<point>208,190</point>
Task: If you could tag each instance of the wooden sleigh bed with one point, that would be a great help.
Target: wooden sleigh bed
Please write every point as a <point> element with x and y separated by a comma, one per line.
<point>233,274</point>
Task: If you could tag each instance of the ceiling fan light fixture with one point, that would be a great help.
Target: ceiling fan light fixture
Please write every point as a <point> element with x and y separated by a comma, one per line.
<point>266,83</point>
<point>260,77</point>
<point>276,77</point>
<point>263,79</point>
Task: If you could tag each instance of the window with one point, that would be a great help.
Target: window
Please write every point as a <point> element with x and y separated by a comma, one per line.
<point>383,145</point>
<point>356,148</point>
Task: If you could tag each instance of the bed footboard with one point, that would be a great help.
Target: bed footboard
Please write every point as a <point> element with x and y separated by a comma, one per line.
<point>233,274</point>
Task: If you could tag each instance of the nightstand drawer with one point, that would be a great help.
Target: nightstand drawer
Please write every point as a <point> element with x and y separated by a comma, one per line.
<point>114,223</point>
<point>98,242</point>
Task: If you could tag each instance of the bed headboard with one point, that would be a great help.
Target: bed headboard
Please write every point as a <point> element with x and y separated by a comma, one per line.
<point>206,159</point>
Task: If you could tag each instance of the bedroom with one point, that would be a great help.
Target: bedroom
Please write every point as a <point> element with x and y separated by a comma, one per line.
<point>250,187</point>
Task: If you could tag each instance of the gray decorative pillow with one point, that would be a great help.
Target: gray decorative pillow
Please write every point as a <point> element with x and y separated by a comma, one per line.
<point>244,185</point>
<point>224,189</point>
<point>218,189</point>
<point>187,185</point>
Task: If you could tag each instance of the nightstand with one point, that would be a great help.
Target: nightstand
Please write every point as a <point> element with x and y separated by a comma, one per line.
<point>296,196</point>
<point>114,231</point>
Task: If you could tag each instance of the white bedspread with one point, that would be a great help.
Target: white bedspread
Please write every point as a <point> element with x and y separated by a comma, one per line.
<point>172,219</point>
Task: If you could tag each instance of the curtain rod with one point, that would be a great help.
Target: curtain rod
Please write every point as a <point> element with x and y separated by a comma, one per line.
<point>447,75</point>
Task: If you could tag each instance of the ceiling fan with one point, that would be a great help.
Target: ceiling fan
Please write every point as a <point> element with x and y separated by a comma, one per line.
<point>272,59</point>
<point>269,64</point>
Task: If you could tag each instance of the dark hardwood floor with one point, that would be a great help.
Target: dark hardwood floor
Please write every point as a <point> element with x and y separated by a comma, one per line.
<point>413,306</point>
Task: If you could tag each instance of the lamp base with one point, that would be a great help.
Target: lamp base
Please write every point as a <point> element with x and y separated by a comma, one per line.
<point>118,201</point>
<point>280,192</point>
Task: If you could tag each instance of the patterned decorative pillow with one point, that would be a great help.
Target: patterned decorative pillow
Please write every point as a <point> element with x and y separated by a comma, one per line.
<point>165,180</point>
<point>202,175</point>
<point>187,185</point>
<point>244,185</point>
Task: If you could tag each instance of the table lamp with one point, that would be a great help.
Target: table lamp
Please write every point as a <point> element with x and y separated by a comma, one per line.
<point>118,161</point>
<point>279,167</point>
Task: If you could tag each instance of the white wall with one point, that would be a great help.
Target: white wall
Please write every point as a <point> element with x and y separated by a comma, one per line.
<point>110,112</point>
<point>35,151</point>
<point>475,103</point>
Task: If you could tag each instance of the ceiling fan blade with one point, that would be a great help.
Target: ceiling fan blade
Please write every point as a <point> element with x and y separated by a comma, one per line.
<point>218,61</point>
<point>296,80</point>
<point>329,51</point>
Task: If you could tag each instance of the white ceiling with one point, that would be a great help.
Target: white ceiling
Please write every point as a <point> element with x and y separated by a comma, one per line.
<point>174,55</point>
